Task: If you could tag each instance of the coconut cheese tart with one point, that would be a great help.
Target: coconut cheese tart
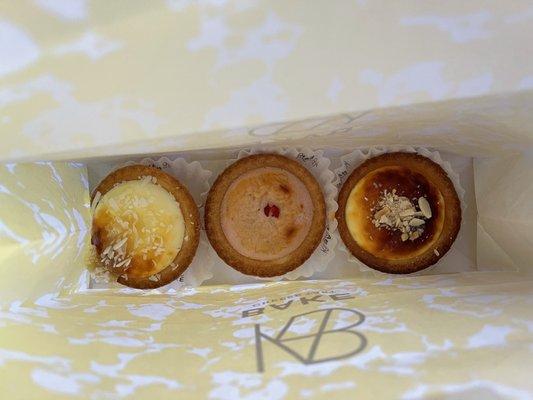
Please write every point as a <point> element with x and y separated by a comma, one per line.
<point>398,212</point>
<point>265,215</point>
<point>145,226</point>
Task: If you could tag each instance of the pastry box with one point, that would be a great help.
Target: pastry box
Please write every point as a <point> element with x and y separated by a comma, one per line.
<point>477,294</point>
<point>75,110</point>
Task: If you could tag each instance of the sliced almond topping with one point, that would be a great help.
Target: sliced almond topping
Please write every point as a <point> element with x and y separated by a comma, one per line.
<point>396,212</point>
<point>380,213</point>
<point>423,204</point>
<point>120,264</point>
<point>106,250</point>
<point>407,213</point>
<point>384,220</point>
<point>416,222</point>
<point>405,204</point>
<point>120,243</point>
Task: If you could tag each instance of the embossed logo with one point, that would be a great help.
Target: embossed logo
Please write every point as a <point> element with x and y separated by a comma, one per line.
<point>336,325</point>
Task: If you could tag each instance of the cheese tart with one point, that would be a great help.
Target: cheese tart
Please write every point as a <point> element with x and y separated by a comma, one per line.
<point>398,212</point>
<point>146,226</point>
<point>265,215</point>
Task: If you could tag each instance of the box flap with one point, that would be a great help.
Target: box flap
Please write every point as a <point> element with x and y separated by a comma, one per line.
<point>465,336</point>
<point>94,76</point>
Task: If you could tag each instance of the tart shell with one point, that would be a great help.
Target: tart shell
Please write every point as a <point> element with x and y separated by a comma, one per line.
<point>452,213</point>
<point>250,266</point>
<point>189,211</point>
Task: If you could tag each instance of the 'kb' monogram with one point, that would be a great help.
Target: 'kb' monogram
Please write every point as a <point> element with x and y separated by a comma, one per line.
<point>353,347</point>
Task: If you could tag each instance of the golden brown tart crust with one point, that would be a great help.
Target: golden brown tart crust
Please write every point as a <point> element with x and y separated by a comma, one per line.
<point>412,176</point>
<point>218,239</point>
<point>189,211</point>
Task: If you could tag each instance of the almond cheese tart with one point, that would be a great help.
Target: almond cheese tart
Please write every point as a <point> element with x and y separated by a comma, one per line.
<point>398,213</point>
<point>146,226</point>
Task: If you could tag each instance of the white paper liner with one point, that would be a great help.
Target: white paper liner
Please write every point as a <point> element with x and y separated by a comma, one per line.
<point>350,161</point>
<point>196,179</point>
<point>318,165</point>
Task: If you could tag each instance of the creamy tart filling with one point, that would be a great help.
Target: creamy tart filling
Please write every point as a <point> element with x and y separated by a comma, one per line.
<point>266,213</point>
<point>138,227</point>
<point>395,213</point>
